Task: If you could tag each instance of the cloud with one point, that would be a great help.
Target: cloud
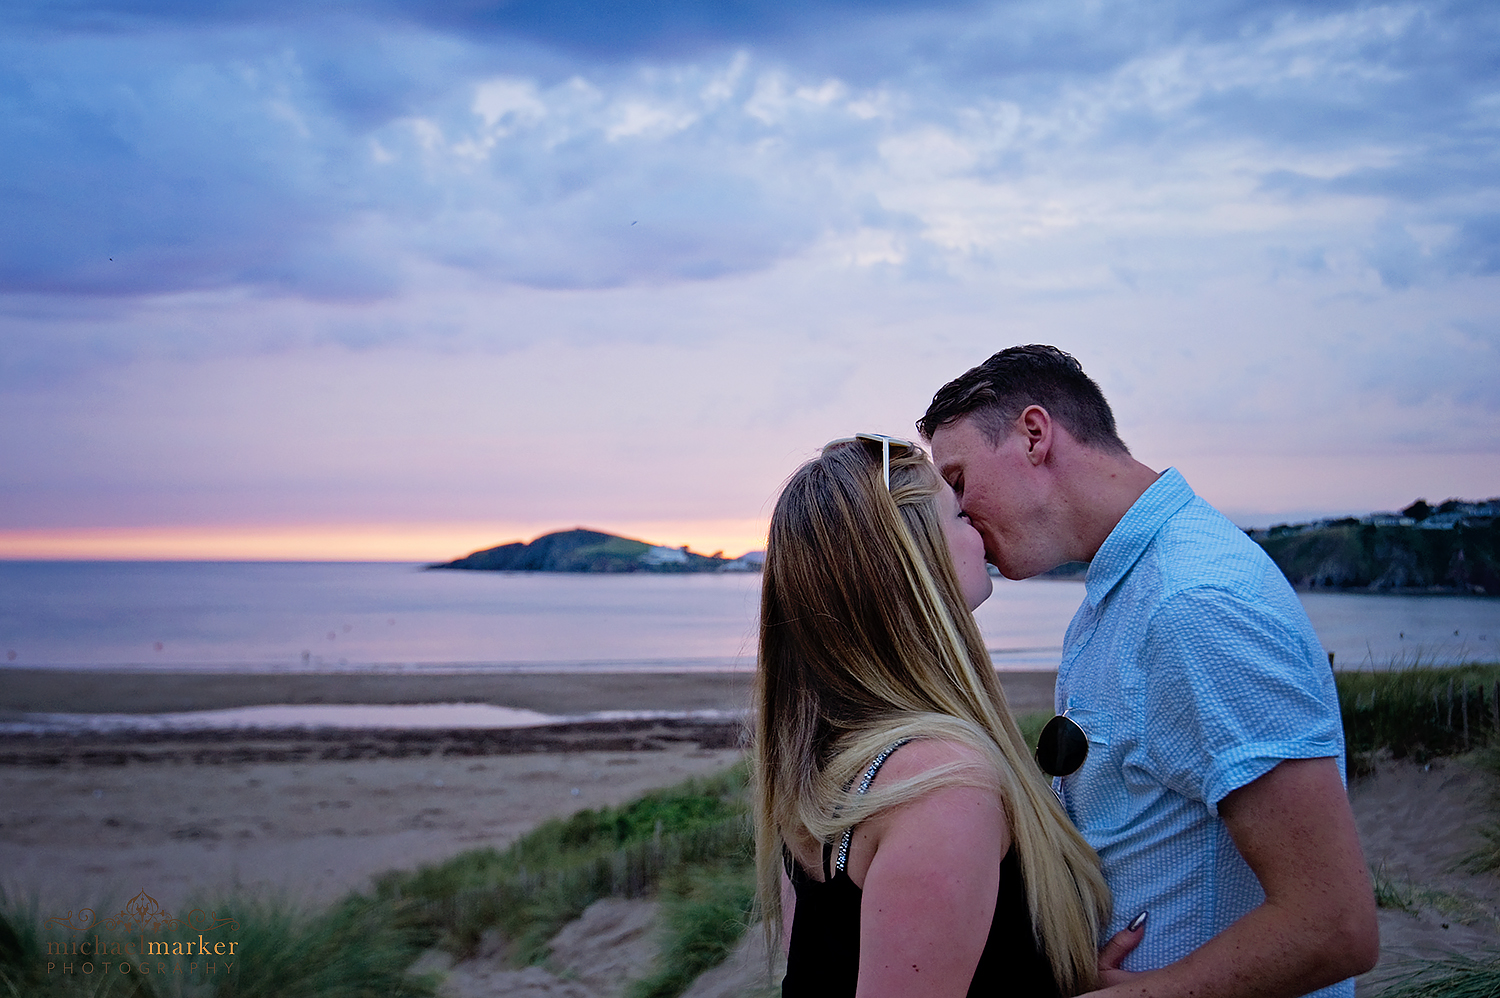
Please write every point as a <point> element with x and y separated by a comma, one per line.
<point>594,28</point>
<point>137,168</point>
<point>1476,246</point>
<point>578,186</point>
<point>165,147</point>
<point>186,182</point>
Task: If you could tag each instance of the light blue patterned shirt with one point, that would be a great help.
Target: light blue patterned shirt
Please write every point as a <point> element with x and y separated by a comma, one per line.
<point>1194,670</point>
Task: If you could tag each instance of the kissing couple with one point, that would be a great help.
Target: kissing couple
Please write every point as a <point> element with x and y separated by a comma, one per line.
<point>1182,828</point>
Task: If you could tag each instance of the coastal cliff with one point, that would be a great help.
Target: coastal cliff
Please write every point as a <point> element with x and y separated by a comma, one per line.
<point>1453,548</point>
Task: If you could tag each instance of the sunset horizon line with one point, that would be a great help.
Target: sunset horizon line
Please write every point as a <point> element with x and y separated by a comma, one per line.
<point>373,542</point>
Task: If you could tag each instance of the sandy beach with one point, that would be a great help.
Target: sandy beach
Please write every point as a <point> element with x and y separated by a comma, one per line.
<point>90,821</point>
<point>316,813</point>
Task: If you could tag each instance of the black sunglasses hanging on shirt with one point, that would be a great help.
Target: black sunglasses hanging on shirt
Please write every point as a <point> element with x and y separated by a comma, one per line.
<point>1062,747</point>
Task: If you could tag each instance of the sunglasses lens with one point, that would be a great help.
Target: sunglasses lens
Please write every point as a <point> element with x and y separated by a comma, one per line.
<point>1062,747</point>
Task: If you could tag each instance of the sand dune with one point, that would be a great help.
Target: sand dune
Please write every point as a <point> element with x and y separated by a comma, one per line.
<point>91,821</point>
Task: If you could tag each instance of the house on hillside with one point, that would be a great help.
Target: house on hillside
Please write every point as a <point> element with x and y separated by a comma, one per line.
<point>662,555</point>
<point>1387,520</point>
<point>752,561</point>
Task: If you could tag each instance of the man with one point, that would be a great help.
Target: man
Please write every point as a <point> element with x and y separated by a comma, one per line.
<point>1213,783</point>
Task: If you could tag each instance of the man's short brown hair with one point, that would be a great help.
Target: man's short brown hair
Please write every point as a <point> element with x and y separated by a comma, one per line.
<point>995,393</point>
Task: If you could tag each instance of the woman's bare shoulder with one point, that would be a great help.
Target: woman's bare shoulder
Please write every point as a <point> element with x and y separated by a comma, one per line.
<point>922,755</point>
<point>945,844</point>
<point>968,810</point>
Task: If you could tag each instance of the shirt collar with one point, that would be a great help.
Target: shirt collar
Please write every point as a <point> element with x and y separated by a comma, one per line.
<point>1131,536</point>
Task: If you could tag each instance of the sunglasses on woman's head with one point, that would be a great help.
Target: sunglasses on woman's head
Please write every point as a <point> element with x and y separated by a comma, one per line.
<point>885,442</point>
<point>1062,747</point>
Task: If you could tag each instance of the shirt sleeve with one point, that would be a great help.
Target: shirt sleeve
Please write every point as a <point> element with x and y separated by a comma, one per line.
<point>1230,690</point>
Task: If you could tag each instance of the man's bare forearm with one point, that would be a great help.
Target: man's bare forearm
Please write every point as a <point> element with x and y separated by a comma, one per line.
<point>1317,926</point>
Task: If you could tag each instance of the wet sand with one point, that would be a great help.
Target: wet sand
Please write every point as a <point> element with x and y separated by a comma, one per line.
<point>95,691</point>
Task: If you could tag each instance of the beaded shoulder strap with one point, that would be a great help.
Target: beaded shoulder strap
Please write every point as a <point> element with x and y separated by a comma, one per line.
<point>864,787</point>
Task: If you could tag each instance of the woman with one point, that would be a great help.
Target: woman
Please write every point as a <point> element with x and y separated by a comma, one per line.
<point>902,827</point>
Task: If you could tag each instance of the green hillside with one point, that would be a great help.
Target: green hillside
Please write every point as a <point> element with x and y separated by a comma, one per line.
<point>589,551</point>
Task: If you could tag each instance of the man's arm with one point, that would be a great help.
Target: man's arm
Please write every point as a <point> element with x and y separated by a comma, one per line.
<point>1317,926</point>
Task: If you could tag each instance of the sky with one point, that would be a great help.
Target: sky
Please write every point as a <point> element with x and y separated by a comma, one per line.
<point>409,278</point>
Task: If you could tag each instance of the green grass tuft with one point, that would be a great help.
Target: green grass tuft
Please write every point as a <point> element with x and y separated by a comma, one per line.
<point>1390,893</point>
<point>705,913</point>
<point>23,962</point>
<point>1399,895</point>
<point>548,877</point>
<point>1486,858</point>
<point>1418,713</point>
<point>1031,726</point>
<point>1469,975</point>
<point>355,949</point>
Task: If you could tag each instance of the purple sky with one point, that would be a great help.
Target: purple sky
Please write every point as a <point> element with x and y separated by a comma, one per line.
<point>404,279</point>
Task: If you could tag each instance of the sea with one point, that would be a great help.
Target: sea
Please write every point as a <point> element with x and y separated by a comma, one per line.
<point>362,617</point>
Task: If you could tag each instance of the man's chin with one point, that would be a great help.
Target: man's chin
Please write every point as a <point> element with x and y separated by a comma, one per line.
<point>1017,571</point>
<point>1007,571</point>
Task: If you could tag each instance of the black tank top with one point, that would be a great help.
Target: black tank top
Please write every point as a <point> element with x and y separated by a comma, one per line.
<point>823,957</point>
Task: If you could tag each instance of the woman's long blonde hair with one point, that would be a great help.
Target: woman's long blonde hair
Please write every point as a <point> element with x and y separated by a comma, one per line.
<point>865,639</point>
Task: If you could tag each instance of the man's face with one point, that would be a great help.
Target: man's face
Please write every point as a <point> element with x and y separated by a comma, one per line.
<point>998,489</point>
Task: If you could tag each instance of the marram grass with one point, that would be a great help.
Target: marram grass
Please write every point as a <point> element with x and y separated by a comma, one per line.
<point>23,962</point>
<point>1400,895</point>
<point>353,949</point>
<point>548,877</point>
<point>1459,975</point>
<point>1418,713</point>
<point>356,948</point>
<point>705,911</point>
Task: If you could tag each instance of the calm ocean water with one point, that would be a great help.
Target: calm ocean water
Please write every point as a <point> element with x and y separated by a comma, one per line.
<point>359,616</point>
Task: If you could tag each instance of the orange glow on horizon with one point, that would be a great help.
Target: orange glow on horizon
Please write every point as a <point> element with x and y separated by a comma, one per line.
<point>350,542</point>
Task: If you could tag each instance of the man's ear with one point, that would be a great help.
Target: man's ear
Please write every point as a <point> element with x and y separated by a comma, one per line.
<point>1035,424</point>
